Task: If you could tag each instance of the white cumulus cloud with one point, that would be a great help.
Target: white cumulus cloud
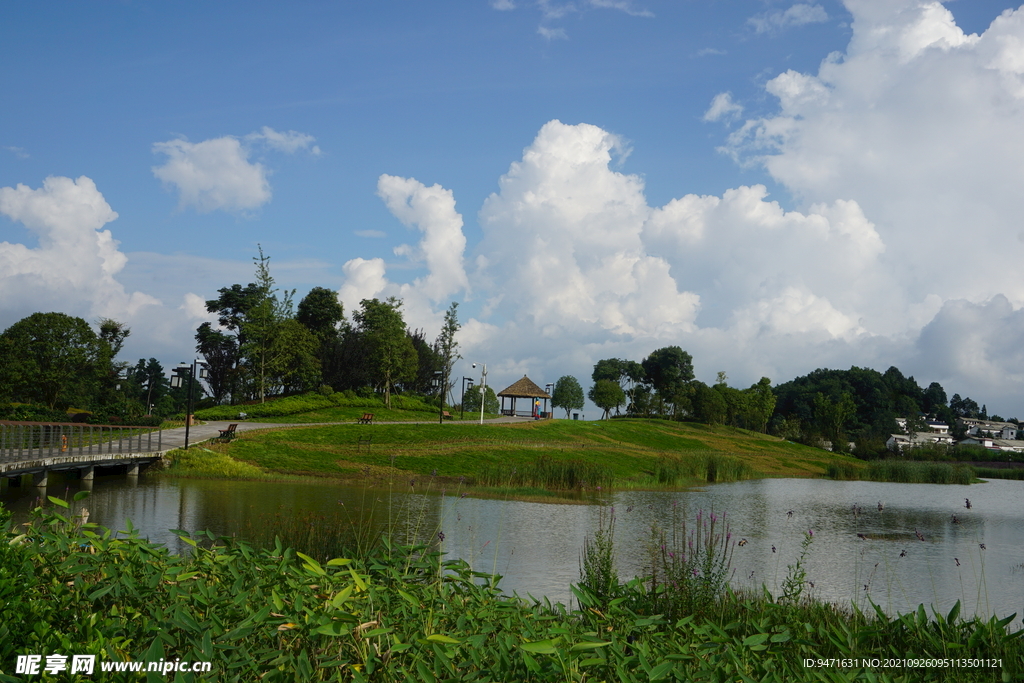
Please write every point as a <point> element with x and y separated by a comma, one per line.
<point>73,267</point>
<point>217,174</point>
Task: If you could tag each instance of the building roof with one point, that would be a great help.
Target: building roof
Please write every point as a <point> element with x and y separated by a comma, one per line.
<point>524,388</point>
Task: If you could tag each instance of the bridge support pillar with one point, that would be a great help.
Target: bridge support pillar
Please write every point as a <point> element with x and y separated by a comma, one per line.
<point>39,478</point>
<point>133,469</point>
<point>87,473</point>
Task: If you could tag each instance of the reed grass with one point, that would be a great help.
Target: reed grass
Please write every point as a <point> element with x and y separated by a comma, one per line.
<point>916,472</point>
<point>549,473</point>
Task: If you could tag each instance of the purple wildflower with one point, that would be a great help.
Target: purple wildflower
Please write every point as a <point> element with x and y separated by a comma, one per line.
<point>810,532</point>
<point>440,536</point>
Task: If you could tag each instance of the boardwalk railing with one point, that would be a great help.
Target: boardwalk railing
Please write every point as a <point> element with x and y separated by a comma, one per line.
<point>27,440</point>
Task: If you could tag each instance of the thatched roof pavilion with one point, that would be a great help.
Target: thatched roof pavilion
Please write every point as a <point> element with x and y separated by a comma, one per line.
<point>525,388</point>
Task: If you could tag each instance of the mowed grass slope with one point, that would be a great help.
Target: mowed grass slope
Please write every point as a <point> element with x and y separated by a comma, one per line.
<point>629,449</point>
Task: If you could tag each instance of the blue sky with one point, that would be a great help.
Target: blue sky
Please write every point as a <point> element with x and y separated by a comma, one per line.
<point>589,179</point>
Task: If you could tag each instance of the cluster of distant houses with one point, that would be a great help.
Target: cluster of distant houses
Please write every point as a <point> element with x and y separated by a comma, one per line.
<point>995,436</point>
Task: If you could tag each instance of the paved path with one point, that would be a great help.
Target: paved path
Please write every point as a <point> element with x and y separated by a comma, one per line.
<point>175,438</point>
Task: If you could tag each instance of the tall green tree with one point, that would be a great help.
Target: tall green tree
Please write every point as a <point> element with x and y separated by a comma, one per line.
<point>606,395</point>
<point>263,327</point>
<point>222,348</point>
<point>709,404</point>
<point>568,394</point>
<point>221,353</point>
<point>54,359</point>
<point>669,370</point>
<point>833,413</point>
<point>761,404</point>
<point>391,354</point>
<point>447,347</point>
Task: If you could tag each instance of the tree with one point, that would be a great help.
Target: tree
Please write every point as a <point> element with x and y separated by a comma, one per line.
<point>150,382</point>
<point>669,369</point>
<point>321,313</point>
<point>113,333</point>
<point>761,403</point>
<point>606,394</point>
<point>221,353</point>
<point>472,401</point>
<point>447,347</point>
<point>53,359</point>
<point>262,349</point>
<point>391,353</point>
<point>709,404</point>
<point>832,414</point>
<point>568,394</point>
<point>294,366</point>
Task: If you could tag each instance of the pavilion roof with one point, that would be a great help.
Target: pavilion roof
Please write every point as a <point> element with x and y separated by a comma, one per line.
<point>524,388</point>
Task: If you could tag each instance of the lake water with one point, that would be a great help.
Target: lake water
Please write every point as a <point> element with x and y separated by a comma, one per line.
<point>536,547</point>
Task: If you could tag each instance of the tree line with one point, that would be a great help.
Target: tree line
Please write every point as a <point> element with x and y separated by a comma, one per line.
<point>663,385</point>
<point>265,346</point>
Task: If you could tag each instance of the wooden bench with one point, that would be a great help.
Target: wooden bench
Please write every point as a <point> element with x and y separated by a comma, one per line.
<point>364,441</point>
<point>446,415</point>
<point>228,434</point>
<point>366,419</point>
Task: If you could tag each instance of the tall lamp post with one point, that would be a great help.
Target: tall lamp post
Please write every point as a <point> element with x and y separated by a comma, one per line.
<point>181,373</point>
<point>483,388</point>
<point>550,389</point>
<point>464,380</point>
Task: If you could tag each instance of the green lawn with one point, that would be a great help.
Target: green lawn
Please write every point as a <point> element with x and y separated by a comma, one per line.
<point>627,451</point>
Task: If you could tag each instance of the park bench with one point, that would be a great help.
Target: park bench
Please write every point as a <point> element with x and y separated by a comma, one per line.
<point>364,441</point>
<point>446,415</point>
<point>366,419</point>
<point>229,433</point>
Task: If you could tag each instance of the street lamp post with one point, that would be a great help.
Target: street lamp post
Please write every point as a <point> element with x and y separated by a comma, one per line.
<point>464,380</point>
<point>550,389</point>
<point>483,388</point>
<point>183,371</point>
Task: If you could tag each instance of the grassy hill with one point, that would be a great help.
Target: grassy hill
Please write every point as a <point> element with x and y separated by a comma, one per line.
<point>543,455</point>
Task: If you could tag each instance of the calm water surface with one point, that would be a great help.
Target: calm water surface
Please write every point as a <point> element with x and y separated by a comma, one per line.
<point>536,546</point>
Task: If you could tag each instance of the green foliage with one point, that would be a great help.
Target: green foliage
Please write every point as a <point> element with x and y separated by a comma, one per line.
<point>553,474</point>
<point>402,612</point>
<point>54,359</point>
<point>844,471</point>
<point>597,562</point>
<point>669,370</point>
<point>30,412</point>
<point>321,313</point>
<point>606,394</point>
<point>568,394</point>
<point>913,472</point>
<point>392,357</point>
<point>471,402</point>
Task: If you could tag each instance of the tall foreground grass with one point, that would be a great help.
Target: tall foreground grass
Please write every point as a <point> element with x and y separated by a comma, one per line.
<point>403,613</point>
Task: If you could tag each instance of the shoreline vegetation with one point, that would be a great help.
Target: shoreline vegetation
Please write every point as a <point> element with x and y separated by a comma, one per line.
<point>535,460</point>
<point>375,609</point>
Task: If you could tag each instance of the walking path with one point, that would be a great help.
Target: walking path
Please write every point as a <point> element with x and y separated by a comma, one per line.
<point>175,438</point>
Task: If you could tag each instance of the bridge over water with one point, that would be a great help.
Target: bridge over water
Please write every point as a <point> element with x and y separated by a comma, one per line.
<point>37,448</point>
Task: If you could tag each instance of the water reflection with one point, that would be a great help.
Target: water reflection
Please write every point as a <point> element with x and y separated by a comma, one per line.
<point>974,555</point>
